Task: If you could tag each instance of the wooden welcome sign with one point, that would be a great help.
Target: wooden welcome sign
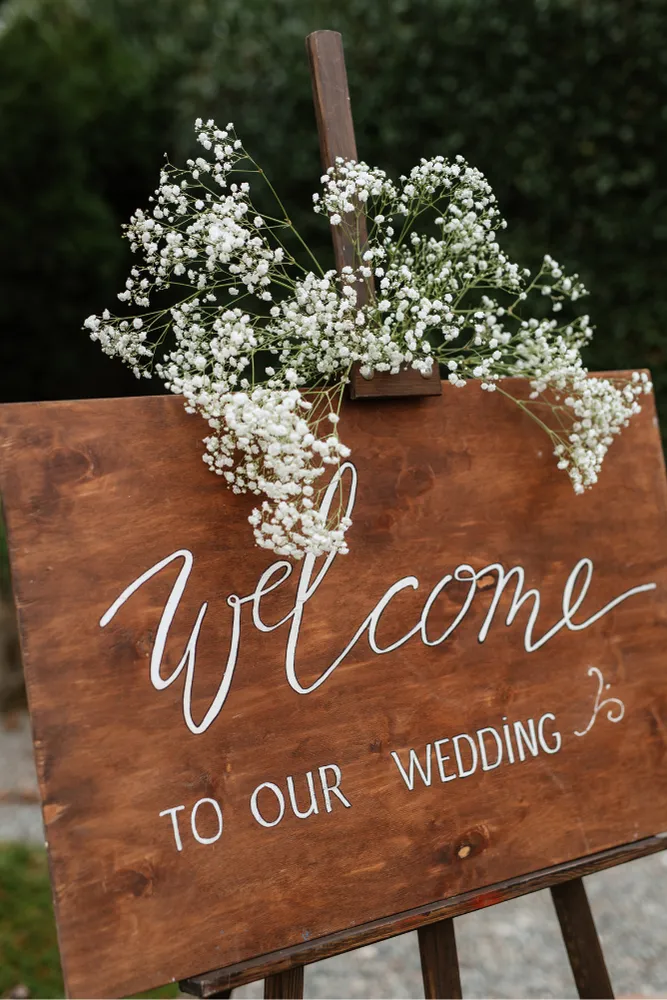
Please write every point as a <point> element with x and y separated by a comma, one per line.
<point>248,763</point>
<point>475,692</point>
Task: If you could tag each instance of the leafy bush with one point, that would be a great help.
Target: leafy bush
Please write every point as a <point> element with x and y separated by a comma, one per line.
<point>561,102</point>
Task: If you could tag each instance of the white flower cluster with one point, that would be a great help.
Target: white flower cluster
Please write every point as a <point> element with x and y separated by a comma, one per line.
<point>262,347</point>
<point>588,412</point>
<point>348,186</point>
<point>270,429</point>
<point>191,233</point>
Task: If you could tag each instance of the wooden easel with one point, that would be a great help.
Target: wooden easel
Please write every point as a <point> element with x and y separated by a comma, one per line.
<point>282,970</point>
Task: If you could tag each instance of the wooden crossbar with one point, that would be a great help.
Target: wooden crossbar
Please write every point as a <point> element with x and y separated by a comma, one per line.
<point>283,971</point>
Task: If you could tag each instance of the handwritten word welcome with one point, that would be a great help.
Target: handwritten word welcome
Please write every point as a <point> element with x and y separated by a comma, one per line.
<point>574,593</point>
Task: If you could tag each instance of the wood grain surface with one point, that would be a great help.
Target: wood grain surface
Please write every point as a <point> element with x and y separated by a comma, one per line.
<point>98,492</point>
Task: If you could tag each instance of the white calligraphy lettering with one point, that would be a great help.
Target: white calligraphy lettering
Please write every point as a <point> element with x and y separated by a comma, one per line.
<point>344,480</point>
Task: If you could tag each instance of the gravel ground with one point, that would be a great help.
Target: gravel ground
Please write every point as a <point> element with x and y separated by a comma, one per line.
<point>20,815</point>
<point>510,950</point>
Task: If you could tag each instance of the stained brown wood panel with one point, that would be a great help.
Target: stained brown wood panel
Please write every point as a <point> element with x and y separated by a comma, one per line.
<point>97,492</point>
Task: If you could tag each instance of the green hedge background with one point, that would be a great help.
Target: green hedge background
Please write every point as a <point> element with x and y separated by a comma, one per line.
<point>563,103</point>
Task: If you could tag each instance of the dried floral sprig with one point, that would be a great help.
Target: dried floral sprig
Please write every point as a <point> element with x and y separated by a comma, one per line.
<point>262,345</point>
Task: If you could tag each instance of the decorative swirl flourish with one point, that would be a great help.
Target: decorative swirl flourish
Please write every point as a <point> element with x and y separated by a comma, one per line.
<point>615,707</point>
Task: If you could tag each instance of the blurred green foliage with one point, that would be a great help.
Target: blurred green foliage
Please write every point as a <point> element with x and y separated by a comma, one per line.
<point>28,943</point>
<point>563,103</point>
<point>27,932</point>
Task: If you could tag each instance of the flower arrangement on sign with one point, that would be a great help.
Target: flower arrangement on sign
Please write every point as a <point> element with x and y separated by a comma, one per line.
<point>262,341</point>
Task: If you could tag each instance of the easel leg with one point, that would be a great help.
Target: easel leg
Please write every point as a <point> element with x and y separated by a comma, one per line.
<point>581,940</point>
<point>440,964</point>
<point>285,985</point>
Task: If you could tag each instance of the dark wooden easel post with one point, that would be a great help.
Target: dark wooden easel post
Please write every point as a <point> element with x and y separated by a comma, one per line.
<point>287,985</point>
<point>439,960</point>
<point>581,940</point>
<point>336,132</point>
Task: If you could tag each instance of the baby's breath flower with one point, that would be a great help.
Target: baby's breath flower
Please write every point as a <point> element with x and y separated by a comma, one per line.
<point>453,299</point>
